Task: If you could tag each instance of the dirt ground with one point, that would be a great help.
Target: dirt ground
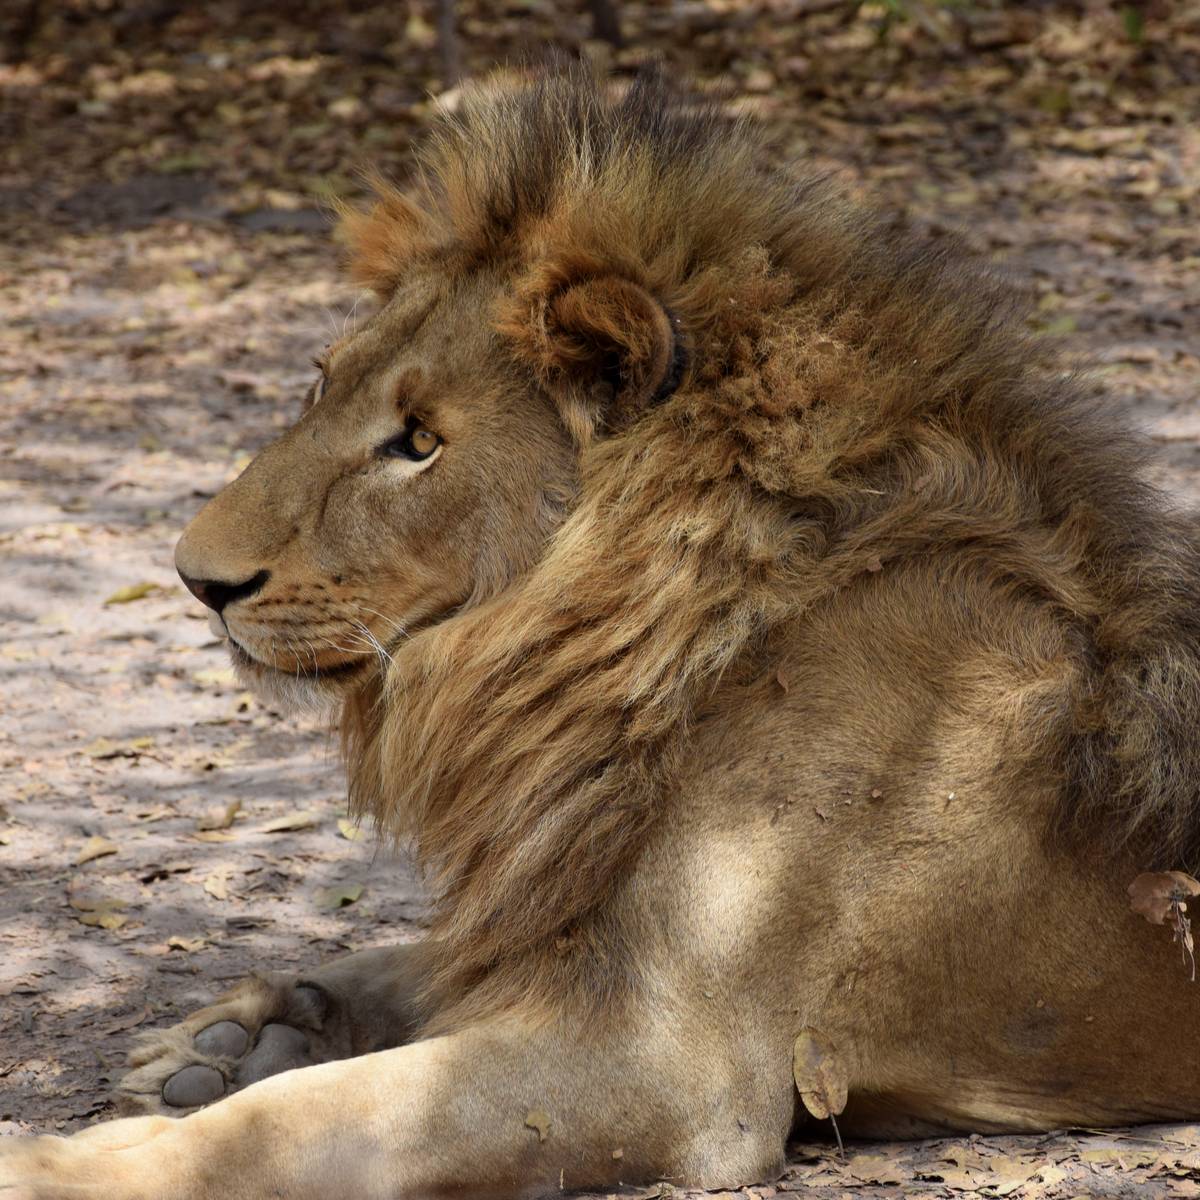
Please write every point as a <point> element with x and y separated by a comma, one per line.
<point>167,271</point>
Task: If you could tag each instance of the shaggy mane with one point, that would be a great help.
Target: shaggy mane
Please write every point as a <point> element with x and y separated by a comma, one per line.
<point>854,397</point>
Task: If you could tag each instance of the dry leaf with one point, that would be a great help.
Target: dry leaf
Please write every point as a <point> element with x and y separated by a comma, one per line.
<point>95,847</point>
<point>965,1157</point>
<point>1153,895</point>
<point>164,871</point>
<point>212,835</point>
<point>537,1118</point>
<point>159,813</point>
<point>134,591</point>
<point>126,1023</point>
<point>220,818</point>
<point>1008,1174</point>
<point>99,912</point>
<point>214,676</point>
<point>1157,895</point>
<point>216,885</point>
<point>957,1179</point>
<point>875,1168</point>
<point>5,838</point>
<point>338,897</point>
<point>819,1073</point>
<point>187,945</point>
<point>350,831</point>
<point>290,823</point>
<point>103,748</point>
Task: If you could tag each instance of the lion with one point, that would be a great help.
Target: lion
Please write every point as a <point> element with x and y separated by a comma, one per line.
<point>764,643</point>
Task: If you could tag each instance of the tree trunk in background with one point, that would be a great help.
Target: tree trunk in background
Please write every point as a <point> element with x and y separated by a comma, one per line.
<point>606,24</point>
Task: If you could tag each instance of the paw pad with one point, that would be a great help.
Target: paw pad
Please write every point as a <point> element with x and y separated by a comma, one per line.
<point>193,1086</point>
<point>226,1039</point>
<point>279,1048</point>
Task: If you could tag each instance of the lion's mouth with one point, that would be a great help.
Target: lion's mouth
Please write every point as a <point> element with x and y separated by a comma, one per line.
<point>338,670</point>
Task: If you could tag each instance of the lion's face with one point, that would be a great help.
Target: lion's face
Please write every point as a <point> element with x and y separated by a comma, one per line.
<point>426,472</point>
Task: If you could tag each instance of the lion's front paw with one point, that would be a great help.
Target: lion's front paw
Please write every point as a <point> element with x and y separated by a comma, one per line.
<point>263,1027</point>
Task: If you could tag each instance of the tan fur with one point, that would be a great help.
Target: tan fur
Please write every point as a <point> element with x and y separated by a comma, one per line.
<point>778,640</point>
<point>853,398</point>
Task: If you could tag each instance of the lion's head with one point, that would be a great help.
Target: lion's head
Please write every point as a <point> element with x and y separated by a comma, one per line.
<point>424,474</point>
<point>440,444</point>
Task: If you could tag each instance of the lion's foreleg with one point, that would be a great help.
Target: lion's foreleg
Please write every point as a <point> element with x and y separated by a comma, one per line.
<point>376,994</point>
<point>352,1005</point>
<point>499,1110</point>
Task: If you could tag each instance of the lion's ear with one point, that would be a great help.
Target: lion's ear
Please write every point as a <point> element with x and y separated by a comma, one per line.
<point>605,344</point>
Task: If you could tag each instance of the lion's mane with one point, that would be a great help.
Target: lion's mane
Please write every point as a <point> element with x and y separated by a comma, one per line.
<point>855,398</point>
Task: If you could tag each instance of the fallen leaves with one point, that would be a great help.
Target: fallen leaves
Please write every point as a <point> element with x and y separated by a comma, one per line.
<point>820,1074</point>
<point>103,748</point>
<point>159,812</point>
<point>1161,894</point>
<point>102,912</point>
<point>875,1168</point>
<point>1154,895</point>
<point>339,896</point>
<point>214,677</point>
<point>350,831</point>
<point>219,818</point>
<point>217,885</point>
<point>132,592</point>
<point>187,945</point>
<point>124,1024</point>
<point>93,848</point>
<point>160,871</point>
<point>291,823</point>
<point>538,1119</point>
<point>1058,1165</point>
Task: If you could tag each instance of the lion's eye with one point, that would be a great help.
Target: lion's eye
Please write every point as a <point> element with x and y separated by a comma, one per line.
<point>415,443</point>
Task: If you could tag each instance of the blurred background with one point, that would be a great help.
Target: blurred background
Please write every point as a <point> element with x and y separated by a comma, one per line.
<point>167,269</point>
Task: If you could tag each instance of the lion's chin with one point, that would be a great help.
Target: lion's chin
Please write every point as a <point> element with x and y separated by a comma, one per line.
<point>299,694</point>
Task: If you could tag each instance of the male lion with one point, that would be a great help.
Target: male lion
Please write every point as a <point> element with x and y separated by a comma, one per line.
<point>760,641</point>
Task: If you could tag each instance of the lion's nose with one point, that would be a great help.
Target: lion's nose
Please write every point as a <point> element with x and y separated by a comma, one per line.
<point>216,594</point>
